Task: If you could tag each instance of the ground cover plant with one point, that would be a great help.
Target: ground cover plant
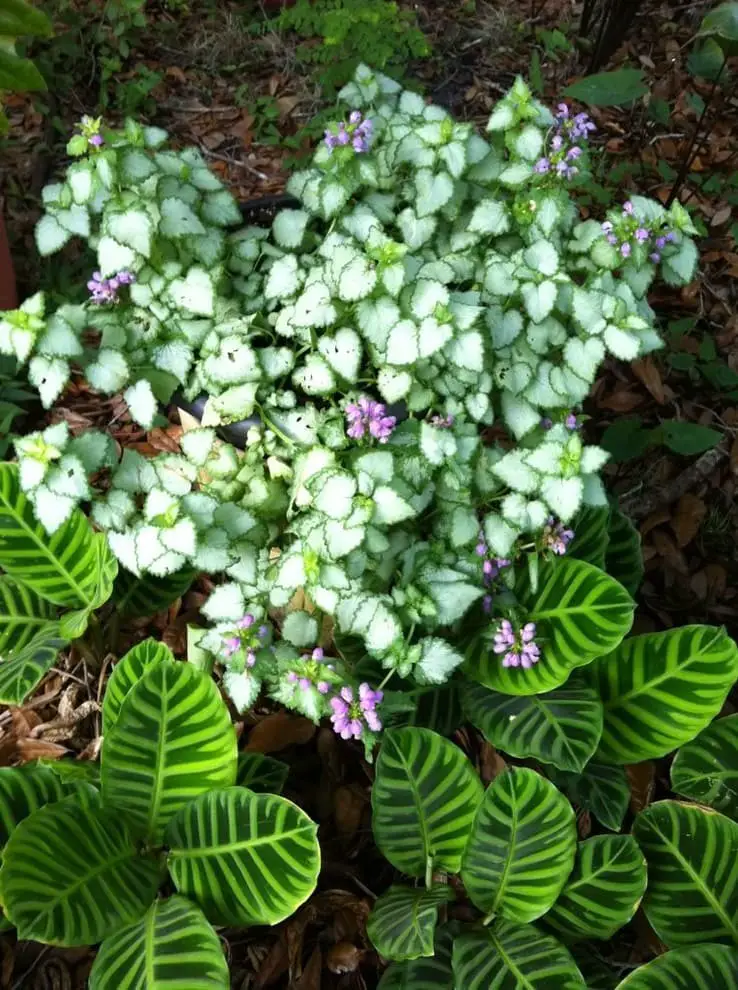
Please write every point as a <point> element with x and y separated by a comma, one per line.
<point>416,532</point>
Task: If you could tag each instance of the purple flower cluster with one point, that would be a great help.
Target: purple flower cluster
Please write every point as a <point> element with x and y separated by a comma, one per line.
<point>105,290</point>
<point>556,537</point>
<point>89,127</point>
<point>519,648</point>
<point>246,638</point>
<point>629,232</point>
<point>312,675</point>
<point>563,147</point>
<point>571,422</point>
<point>491,567</point>
<point>357,133</point>
<point>442,422</point>
<point>369,417</point>
<point>350,716</point>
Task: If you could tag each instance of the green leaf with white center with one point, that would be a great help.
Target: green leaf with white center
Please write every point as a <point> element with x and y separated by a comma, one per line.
<point>580,613</point>
<point>314,307</point>
<point>584,356</point>
<point>300,629</point>
<point>315,377</point>
<point>403,921</point>
<point>438,660</point>
<point>436,443</point>
<point>367,616</point>
<point>489,217</point>
<point>333,197</point>
<point>194,293</point>
<point>467,351</point>
<point>539,300</point>
<point>142,403</point>
<point>225,604</point>
<point>660,689</point>
<point>623,344</point>
<point>114,257</point>
<point>393,385</point>
<point>289,228</point>
<point>547,215</point>
<point>452,592</point>
<point>432,336</point>
<point>515,175</point>
<point>453,156</point>
<point>434,190</point>
<point>416,230</point>
<point>265,840</point>
<point>424,799</point>
<point>284,278</point>
<point>603,890</point>
<point>342,352</point>
<point>389,507</point>
<point>528,143</point>
<point>178,219</point>
<point>402,343</point>
<point>335,495</point>
<point>679,268</point>
<point>136,165</point>
<point>76,220</point>
<point>81,182</point>
<point>562,727</point>
<point>563,495</point>
<point>49,375</point>
<point>513,470</point>
<point>542,257</point>
<point>109,372</point>
<point>356,280</point>
<point>519,415</point>
<point>221,209</point>
<point>521,848</point>
<point>427,296</point>
<point>133,228</point>
<point>692,894</point>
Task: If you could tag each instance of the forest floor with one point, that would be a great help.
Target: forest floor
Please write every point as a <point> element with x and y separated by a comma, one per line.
<point>238,96</point>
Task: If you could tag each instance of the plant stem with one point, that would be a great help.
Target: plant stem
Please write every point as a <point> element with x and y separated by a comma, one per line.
<point>385,679</point>
<point>429,872</point>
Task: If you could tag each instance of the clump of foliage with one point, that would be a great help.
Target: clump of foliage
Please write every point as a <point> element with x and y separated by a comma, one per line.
<point>87,848</point>
<point>18,74</point>
<point>350,32</point>
<point>432,284</point>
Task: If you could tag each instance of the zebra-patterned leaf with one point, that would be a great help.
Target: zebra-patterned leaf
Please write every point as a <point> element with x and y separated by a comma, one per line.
<point>437,707</point>
<point>706,769</point>
<point>591,535</point>
<point>73,874</point>
<point>562,727</point>
<point>424,798</point>
<point>692,891</point>
<point>127,672</point>
<point>261,773</point>
<point>624,558</point>
<point>142,596</point>
<point>67,568</point>
<point>660,689</point>
<point>24,790</point>
<point>603,890</point>
<point>23,614</point>
<point>173,741</point>
<point>402,924</point>
<point>425,973</point>
<point>72,771</point>
<point>513,957</point>
<point>245,858</point>
<point>700,967</point>
<point>522,847</point>
<point>600,789</point>
<point>23,671</point>
<point>580,613</point>
<point>172,946</point>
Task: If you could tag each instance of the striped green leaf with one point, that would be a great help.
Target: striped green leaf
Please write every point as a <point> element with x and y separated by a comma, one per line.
<point>522,847</point>
<point>600,789</point>
<point>700,967</point>
<point>173,741</point>
<point>438,707</point>
<point>143,596</point>
<point>706,769</point>
<point>513,957</point>
<point>580,613</point>
<point>173,946</point>
<point>660,689</point>
<point>23,671</point>
<point>562,727</point>
<point>624,558</point>
<point>425,973</point>
<point>245,858</point>
<point>261,773</point>
<point>24,790</point>
<point>126,673</point>
<point>71,568</point>
<point>402,924</point>
<point>72,771</point>
<point>424,798</point>
<point>591,535</point>
<point>692,873</point>
<point>72,874</point>
<point>603,890</point>
<point>23,614</point>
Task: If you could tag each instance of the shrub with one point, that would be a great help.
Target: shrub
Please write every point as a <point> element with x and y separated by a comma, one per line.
<point>87,849</point>
<point>434,288</point>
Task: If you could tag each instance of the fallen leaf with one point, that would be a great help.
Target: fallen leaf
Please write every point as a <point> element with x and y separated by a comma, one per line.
<point>174,72</point>
<point>687,519</point>
<point>343,958</point>
<point>491,763</point>
<point>646,371</point>
<point>622,401</point>
<point>278,731</point>
<point>310,979</point>
<point>39,749</point>
<point>721,216</point>
<point>641,777</point>
<point>348,808</point>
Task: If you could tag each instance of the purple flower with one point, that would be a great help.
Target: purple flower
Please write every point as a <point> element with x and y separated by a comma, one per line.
<point>331,140</point>
<point>642,234</point>
<point>351,716</point>
<point>96,140</point>
<point>491,566</point>
<point>105,290</point>
<point>574,153</point>
<point>571,422</point>
<point>355,117</point>
<point>442,422</point>
<point>546,423</point>
<point>582,126</point>
<point>607,226</point>
<point>519,649</point>
<point>612,239</point>
<point>343,136</point>
<point>627,208</point>
<point>367,415</point>
<point>660,243</point>
<point>557,142</point>
<point>487,603</point>
<point>359,144</point>
<point>625,250</point>
<point>563,111</point>
<point>556,537</point>
<point>244,640</point>
<point>655,257</point>
<point>542,166</point>
<point>671,237</point>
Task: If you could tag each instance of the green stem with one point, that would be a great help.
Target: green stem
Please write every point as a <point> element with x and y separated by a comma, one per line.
<point>385,679</point>
<point>429,872</point>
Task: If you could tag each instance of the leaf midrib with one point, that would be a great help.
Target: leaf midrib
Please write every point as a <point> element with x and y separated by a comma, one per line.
<point>524,983</point>
<point>233,847</point>
<point>56,564</point>
<point>418,806</point>
<point>646,686</point>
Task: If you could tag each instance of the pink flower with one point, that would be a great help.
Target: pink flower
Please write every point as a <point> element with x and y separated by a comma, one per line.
<point>350,716</point>
<point>518,649</point>
<point>556,537</point>
<point>369,416</point>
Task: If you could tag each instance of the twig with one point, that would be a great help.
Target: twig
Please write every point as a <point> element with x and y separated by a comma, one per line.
<point>234,161</point>
<point>640,506</point>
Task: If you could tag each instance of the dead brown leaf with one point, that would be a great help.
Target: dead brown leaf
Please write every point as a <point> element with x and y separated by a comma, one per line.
<point>721,215</point>
<point>622,401</point>
<point>343,958</point>
<point>349,804</point>
<point>310,979</point>
<point>39,749</point>
<point>491,763</point>
<point>646,372</point>
<point>641,777</point>
<point>278,731</point>
<point>688,517</point>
